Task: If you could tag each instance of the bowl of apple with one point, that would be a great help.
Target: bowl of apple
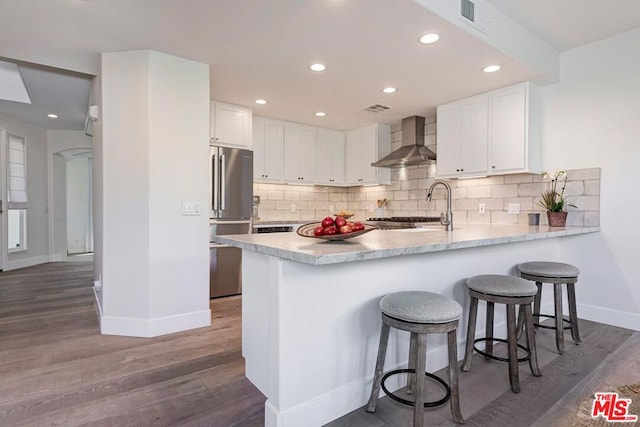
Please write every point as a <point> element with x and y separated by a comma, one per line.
<point>334,229</point>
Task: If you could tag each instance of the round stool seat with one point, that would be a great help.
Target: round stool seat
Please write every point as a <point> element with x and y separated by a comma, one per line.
<point>548,269</point>
<point>500,285</point>
<point>420,307</point>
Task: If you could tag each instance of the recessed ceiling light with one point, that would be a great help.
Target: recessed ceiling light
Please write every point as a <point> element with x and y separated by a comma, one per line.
<point>52,116</point>
<point>389,89</point>
<point>429,38</point>
<point>321,114</point>
<point>261,101</point>
<point>491,68</point>
<point>318,67</point>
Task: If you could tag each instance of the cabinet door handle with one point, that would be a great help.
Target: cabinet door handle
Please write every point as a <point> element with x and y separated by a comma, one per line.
<point>457,170</point>
<point>493,166</point>
<point>461,170</point>
<point>360,180</point>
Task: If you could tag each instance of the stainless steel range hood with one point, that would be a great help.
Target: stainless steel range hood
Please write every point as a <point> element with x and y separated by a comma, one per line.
<point>412,151</point>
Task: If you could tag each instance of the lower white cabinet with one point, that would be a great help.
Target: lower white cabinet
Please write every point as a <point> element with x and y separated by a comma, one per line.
<point>268,144</point>
<point>330,156</point>
<point>364,146</point>
<point>299,154</point>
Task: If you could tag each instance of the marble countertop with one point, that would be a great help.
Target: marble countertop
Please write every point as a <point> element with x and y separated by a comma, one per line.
<point>388,243</point>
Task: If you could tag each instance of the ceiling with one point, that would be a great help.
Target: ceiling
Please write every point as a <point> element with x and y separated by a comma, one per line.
<point>262,49</point>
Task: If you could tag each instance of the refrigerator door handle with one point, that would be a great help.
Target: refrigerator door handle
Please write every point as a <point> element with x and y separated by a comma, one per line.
<point>223,180</point>
<point>214,171</point>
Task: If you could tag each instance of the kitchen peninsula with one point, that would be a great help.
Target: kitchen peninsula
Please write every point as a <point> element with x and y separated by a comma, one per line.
<point>310,307</point>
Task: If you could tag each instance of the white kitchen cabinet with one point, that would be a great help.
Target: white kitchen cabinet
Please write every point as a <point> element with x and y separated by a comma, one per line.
<point>462,137</point>
<point>364,146</point>
<point>230,125</point>
<point>515,130</point>
<point>299,154</point>
<point>493,133</point>
<point>330,157</point>
<point>268,146</point>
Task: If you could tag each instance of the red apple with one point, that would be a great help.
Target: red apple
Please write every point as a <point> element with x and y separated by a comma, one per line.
<point>327,222</point>
<point>318,231</point>
<point>340,221</point>
<point>330,230</point>
<point>346,229</point>
<point>358,226</point>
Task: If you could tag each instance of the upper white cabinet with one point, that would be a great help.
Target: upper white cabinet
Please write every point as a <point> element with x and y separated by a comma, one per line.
<point>493,133</point>
<point>299,153</point>
<point>231,125</point>
<point>463,137</point>
<point>268,146</point>
<point>515,130</point>
<point>330,156</point>
<point>364,146</point>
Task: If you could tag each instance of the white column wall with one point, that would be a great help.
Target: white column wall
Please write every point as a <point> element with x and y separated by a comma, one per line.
<point>178,172</point>
<point>591,119</point>
<point>154,147</point>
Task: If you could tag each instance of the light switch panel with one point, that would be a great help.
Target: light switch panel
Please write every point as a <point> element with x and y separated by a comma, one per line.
<point>190,208</point>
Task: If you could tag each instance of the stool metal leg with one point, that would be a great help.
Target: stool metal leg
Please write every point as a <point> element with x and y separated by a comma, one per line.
<point>411,379</point>
<point>573,313</point>
<point>377,378</point>
<point>557,297</point>
<point>471,333</point>
<point>513,349</point>
<point>488,346</point>
<point>536,303</point>
<point>421,362</point>
<point>531,340</point>
<point>454,401</point>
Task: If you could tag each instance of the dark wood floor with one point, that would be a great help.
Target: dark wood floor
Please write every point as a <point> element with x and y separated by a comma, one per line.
<point>56,369</point>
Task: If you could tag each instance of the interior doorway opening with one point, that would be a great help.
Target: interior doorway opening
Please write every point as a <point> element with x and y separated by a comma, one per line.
<point>73,201</point>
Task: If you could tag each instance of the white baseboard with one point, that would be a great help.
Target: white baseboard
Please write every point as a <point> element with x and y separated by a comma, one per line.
<point>97,305</point>
<point>25,262</point>
<point>135,327</point>
<point>58,257</point>
<point>331,405</point>
<point>622,319</point>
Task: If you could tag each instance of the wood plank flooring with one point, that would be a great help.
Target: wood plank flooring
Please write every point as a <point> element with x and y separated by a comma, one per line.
<point>57,370</point>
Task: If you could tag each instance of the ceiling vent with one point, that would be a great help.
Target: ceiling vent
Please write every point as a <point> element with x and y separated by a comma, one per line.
<point>473,15</point>
<point>376,108</point>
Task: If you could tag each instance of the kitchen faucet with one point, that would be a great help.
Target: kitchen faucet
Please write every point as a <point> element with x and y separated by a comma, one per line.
<point>446,220</point>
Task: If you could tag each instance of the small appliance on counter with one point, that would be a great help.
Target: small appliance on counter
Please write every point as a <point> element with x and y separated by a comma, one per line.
<point>230,213</point>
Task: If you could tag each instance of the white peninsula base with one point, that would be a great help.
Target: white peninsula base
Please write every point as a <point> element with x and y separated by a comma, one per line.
<point>310,332</point>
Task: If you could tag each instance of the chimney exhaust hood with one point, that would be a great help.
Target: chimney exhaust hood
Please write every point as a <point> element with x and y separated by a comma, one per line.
<point>412,152</point>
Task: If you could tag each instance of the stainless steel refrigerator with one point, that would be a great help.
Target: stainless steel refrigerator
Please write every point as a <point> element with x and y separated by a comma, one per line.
<point>230,213</point>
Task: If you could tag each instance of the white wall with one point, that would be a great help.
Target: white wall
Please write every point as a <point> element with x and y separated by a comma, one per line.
<point>155,127</point>
<point>592,119</point>
<point>37,217</point>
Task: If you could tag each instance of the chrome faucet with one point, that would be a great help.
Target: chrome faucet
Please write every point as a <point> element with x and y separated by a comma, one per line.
<point>445,219</point>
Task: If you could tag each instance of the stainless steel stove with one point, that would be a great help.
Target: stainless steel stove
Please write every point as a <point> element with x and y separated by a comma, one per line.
<point>401,221</point>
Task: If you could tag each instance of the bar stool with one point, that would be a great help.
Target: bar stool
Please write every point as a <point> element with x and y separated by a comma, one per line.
<point>557,273</point>
<point>511,291</point>
<point>419,313</point>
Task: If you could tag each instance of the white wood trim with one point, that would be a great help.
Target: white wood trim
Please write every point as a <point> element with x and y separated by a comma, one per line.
<point>135,327</point>
<point>25,262</point>
<point>622,319</point>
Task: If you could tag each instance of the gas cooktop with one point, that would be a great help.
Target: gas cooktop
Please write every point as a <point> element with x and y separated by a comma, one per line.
<point>401,221</point>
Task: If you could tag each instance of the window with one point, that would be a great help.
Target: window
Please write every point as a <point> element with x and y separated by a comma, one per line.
<point>17,194</point>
